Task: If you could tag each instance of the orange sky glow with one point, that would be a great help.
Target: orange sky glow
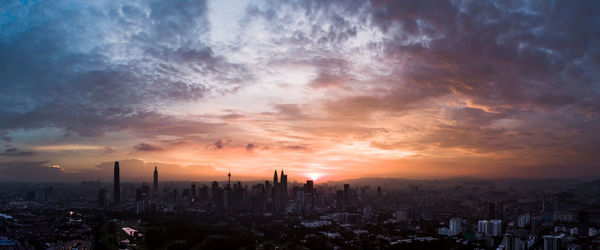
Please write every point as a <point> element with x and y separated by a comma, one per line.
<point>324,92</point>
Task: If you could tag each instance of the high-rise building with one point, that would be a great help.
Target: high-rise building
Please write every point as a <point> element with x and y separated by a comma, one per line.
<point>523,220</point>
<point>455,226</point>
<point>553,242</point>
<point>309,186</point>
<point>275,182</point>
<point>155,186</point>
<point>284,192</point>
<point>509,242</point>
<point>117,185</point>
<point>229,179</point>
<point>490,228</point>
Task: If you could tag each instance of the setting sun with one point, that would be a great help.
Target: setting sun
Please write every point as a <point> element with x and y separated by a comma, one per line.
<point>314,176</point>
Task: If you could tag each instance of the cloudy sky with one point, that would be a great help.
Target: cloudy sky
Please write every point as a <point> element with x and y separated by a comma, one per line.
<point>335,89</point>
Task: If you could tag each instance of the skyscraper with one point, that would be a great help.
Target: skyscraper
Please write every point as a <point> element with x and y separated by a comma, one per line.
<point>117,185</point>
<point>283,181</point>
<point>229,179</point>
<point>155,187</point>
<point>346,194</point>
<point>308,188</point>
<point>275,182</point>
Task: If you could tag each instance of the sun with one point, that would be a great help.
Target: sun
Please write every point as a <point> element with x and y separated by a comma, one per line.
<point>314,176</point>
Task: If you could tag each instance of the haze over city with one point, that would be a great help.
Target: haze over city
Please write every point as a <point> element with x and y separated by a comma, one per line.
<point>300,124</point>
<point>325,90</point>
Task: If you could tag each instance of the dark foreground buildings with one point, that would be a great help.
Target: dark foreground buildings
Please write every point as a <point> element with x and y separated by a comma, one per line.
<point>441,214</point>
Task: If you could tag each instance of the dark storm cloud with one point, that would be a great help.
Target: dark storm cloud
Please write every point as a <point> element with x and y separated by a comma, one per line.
<point>93,67</point>
<point>530,69</point>
<point>537,55</point>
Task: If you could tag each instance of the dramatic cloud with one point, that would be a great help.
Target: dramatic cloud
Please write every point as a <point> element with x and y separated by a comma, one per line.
<point>416,88</point>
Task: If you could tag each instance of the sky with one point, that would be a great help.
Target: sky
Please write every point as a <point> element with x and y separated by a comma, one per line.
<point>321,89</point>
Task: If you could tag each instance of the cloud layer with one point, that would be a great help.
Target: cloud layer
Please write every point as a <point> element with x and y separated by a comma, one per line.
<point>360,88</point>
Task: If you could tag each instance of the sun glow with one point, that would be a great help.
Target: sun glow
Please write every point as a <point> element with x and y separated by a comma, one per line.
<point>314,176</point>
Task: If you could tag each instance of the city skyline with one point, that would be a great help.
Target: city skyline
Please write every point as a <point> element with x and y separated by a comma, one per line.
<point>300,124</point>
<point>326,90</point>
<point>273,213</point>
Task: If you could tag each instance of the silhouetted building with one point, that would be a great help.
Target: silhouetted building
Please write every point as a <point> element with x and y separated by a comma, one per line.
<point>155,186</point>
<point>308,188</point>
<point>284,185</point>
<point>346,195</point>
<point>117,185</point>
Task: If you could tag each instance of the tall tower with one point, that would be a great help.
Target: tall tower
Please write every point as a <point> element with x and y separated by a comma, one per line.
<point>275,178</point>
<point>117,185</point>
<point>229,178</point>
<point>283,181</point>
<point>155,187</point>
